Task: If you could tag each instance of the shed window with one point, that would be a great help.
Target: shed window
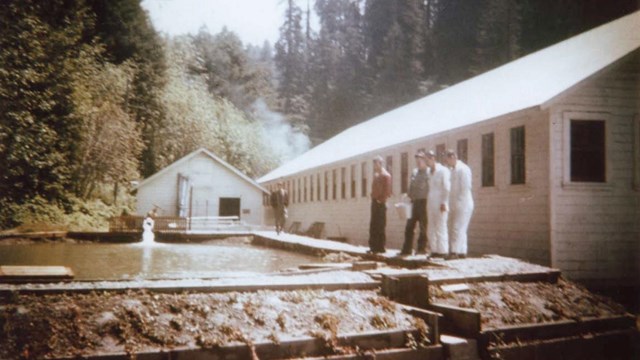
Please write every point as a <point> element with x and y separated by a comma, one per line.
<point>318,188</point>
<point>440,150</point>
<point>588,151</point>
<point>334,180</point>
<point>299,191</point>
<point>463,150</point>
<point>488,178</point>
<point>404,172</point>
<point>311,188</point>
<point>353,181</point>
<point>363,174</point>
<point>517,155</point>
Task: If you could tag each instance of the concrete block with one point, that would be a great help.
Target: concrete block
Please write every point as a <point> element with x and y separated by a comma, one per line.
<point>457,348</point>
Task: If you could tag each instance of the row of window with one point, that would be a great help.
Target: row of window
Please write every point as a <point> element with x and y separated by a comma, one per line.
<point>587,164</point>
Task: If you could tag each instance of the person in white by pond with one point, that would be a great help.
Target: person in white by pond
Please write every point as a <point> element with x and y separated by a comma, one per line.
<point>460,204</point>
<point>279,203</point>
<point>437,207</point>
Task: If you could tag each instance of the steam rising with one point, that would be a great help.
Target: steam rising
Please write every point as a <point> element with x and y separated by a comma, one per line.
<point>285,141</point>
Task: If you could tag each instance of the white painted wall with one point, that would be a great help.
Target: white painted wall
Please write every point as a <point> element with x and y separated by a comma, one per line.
<point>210,181</point>
<point>512,220</point>
<point>596,227</point>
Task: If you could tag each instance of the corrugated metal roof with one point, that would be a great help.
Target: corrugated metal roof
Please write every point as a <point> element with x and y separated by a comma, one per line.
<point>529,81</point>
<point>209,154</point>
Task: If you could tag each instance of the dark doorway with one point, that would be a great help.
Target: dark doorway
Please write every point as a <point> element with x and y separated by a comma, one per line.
<point>230,207</point>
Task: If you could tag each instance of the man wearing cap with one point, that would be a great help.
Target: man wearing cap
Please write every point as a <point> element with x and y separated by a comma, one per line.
<point>460,204</point>
<point>279,203</point>
<point>438,207</point>
<point>380,192</point>
<point>418,191</point>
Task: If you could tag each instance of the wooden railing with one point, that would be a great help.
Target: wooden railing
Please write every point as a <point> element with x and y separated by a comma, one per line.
<point>171,224</point>
<point>134,224</point>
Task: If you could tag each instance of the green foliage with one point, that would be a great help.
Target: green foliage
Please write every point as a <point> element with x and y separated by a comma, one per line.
<point>38,130</point>
<point>197,118</point>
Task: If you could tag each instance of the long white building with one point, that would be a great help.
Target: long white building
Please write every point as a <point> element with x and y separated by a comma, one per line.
<point>553,140</point>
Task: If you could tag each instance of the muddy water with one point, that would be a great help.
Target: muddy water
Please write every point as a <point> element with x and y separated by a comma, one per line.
<point>159,261</point>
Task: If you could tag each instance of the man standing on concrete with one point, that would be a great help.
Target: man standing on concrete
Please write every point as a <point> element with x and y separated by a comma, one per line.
<point>460,204</point>
<point>418,191</point>
<point>279,203</point>
<point>437,207</point>
<point>380,192</point>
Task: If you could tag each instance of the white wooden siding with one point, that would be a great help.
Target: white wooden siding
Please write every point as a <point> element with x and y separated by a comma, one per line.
<point>595,227</point>
<point>213,181</point>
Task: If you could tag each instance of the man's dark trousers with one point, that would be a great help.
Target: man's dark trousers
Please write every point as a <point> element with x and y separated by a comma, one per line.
<point>377,237</point>
<point>418,215</point>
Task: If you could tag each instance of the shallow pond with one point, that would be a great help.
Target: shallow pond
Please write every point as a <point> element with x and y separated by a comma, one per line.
<point>157,261</point>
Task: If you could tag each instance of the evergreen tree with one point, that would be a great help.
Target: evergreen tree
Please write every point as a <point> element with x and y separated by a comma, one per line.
<point>290,63</point>
<point>499,35</point>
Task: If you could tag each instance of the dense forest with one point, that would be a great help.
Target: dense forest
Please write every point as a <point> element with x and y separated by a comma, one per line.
<point>92,97</point>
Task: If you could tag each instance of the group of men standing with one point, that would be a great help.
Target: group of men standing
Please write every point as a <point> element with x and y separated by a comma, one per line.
<point>441,206</point>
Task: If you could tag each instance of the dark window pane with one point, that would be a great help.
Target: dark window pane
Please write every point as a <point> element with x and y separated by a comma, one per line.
<point>440,150</point>
<point>363,190</point>
<point>353,181</point>
<point>487,160</point>
<point>517,155</point>
<point>404,172</point>
<point>462,150</point>
<point>588,151</point>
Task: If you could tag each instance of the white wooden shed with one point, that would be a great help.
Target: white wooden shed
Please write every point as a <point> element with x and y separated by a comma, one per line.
<point>201,185</point>
<point>553,140</point>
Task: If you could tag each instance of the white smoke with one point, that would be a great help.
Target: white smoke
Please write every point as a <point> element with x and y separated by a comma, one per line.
<point>285,141</point>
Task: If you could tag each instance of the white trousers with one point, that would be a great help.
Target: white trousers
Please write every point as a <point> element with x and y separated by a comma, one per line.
<point>437,230</point>
<point>459,223</point>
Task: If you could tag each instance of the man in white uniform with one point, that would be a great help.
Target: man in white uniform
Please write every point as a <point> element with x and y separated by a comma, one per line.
<point>460,205</point>
<point>437,207</point>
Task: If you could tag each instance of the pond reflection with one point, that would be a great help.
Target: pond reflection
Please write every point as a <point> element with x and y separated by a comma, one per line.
<point>166,261</point>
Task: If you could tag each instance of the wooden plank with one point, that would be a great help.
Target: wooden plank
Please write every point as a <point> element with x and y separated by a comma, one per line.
<point>325,266</point>
<point>202,289</point>
<point>377,341</point>
<point>13,274</point>
<point>563,328</point>
<point>550,276</point>
<point>431,318</point>
<point>609,345</point>
<point>408,289</point>
<point>459,321</point>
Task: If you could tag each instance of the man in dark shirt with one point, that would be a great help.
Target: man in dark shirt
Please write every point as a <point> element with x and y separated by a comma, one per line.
<point>279,203</point>
<point>380,192</point>
<point>418,191</point>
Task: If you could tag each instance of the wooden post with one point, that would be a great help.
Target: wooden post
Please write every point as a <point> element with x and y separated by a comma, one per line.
<point>410,289</point>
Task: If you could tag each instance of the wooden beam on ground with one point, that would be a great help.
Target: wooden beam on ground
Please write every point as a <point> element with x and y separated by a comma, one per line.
<point>28,274</point>
<point>432,319</point>
<point>458,321</point>
<point>620,345</point>
<point>197,288</point>
<point>376,342</point>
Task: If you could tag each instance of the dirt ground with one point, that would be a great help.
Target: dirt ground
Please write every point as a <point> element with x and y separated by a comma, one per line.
<point>80,324</point>
<point>509,303</point>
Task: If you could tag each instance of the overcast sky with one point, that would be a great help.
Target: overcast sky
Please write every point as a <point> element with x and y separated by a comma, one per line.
<point>253,20</point>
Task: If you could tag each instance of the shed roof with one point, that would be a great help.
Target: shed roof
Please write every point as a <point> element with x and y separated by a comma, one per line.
<point>532,80</point>
<point>212,156</point>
